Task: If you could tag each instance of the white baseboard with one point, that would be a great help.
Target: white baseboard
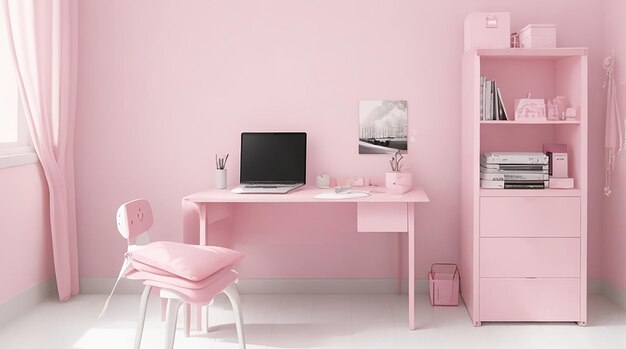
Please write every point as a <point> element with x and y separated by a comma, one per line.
<point>27,300</point>
<point>273,286</point>
<point>322,286</point>
<point>615,294</point>
<point>327,286</point>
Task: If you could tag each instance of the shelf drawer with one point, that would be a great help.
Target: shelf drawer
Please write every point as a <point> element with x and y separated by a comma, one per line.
<point>530,257</point>
<point>382,217</point>
<point>530,217</point>
<point>530,299</point>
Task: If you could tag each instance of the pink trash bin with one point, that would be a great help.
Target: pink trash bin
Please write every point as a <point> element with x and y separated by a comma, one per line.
<point>443,281</point>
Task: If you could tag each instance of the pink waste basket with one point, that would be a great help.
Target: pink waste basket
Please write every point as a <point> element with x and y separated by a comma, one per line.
<point>443,281</point>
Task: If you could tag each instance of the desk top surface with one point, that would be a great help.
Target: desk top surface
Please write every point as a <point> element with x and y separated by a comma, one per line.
<point>306,194</point>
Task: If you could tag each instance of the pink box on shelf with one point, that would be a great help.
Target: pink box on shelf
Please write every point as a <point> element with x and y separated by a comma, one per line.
<point>538,36</point>
<point>487,30</point>
<point>561,183</point>
<point>558,160</point>
<point>443,282</point>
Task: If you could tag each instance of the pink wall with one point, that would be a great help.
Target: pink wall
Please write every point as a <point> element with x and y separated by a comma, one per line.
<point>164,86</point>
<point>25,243</point>
<point>614,236</point>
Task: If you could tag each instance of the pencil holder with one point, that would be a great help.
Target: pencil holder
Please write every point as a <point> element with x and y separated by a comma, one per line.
<point>220,179</point>
<point>398,182</point>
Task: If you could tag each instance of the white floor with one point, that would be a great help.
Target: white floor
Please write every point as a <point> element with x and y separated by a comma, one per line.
<point>307,321</point>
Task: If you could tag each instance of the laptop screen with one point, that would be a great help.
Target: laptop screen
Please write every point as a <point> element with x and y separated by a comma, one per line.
<point>273,157</point>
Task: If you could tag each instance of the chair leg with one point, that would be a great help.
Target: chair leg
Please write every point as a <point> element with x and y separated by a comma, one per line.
<point>142,316</point>
<point>233,295</point>
<point>187,312</point>
<point>163,308</point>
<point>206,317</point>
<point>173,305</point>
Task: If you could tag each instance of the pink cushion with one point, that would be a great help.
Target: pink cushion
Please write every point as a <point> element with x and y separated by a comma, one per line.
<point>200,296</point>
<point>175,281</point>
<point>137,265</point>
<point>191,262</point>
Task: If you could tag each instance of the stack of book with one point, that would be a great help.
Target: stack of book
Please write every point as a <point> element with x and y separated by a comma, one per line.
<point>513,170</point>
<point>491,103</point>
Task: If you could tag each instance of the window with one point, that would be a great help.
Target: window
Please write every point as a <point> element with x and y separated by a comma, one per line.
<point>15,147</point>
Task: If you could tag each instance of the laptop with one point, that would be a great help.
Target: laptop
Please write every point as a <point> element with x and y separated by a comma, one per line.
<point>272,162</point>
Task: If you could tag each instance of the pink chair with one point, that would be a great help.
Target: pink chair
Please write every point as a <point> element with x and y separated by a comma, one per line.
<point>184,273</point>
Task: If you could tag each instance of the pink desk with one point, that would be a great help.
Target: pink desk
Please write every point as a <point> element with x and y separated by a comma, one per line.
<point>380,212</point>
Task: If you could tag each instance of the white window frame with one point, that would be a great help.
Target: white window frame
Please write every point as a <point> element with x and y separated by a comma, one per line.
<point>22,151</point>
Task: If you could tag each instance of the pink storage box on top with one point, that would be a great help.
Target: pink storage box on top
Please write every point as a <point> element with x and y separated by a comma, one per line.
<point>443,282</point>
<point>487,30</point>
<point>538,36</point>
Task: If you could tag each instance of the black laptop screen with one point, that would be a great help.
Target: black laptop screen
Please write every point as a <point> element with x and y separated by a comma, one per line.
<point>273,157</point>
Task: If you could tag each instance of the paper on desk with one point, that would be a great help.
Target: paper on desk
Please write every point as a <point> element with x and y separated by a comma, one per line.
<point>345,195</point>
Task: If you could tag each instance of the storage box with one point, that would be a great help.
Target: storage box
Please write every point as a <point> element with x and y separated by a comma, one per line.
<point>557,153</point>
<point>443,282</point>
<point>561,183</point>
<point>487,30</point>
<point>538,36</point>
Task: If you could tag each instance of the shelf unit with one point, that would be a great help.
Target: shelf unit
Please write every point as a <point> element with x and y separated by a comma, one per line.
<point>524,252</point>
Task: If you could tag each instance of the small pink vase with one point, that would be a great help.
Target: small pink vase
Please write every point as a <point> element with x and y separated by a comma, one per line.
<point>398,182</point>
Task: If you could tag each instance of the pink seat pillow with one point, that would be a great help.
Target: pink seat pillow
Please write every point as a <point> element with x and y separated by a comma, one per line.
<point>191,262</point>
<point>178,281</point>
<point>199,296</point>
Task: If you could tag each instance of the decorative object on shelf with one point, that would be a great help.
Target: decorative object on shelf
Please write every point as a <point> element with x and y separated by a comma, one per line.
<point>553,111</point>
<point>530,109</point>
<point>220,172</point>
<point>322,181</point>
<point>515,40</point>
<point>613,141</point>
<point>571,113</point>
<point>398,182</point>
<point>561,106</point>
<point>538,36</point>
<point>487,30</point>
<point>383,126</point>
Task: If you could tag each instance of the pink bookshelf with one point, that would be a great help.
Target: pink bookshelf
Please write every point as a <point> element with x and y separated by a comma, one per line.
<point>528,231</point>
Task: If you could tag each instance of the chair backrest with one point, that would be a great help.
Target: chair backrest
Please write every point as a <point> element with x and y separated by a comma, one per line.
<point>134,218</point>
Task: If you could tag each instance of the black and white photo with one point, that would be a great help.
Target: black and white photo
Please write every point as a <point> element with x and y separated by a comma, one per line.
<point>383,126</point>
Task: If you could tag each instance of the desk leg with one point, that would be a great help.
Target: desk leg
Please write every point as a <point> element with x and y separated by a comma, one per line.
<point>201,242</point>
<point>400,268</point>
<point>411,280</point>
<point>202,230</point>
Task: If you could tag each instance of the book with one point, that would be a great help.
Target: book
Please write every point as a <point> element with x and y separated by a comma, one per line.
<point>514,167</point>
<point>487,184</point>
<point>494,92</point>
<point>501,109</point>
<point>513,158</point>
<point>514,176</point>
<point>489,99</point>
<point>482,97</point>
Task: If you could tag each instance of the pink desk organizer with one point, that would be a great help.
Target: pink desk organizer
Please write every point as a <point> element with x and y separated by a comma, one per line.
<point>398,182</point>
<point>443,282</point>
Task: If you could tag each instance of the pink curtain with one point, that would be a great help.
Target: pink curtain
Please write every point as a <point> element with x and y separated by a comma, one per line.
<point>42,36</point>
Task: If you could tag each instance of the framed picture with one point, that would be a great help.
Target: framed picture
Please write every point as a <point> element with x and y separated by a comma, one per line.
<point>383,126</point>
